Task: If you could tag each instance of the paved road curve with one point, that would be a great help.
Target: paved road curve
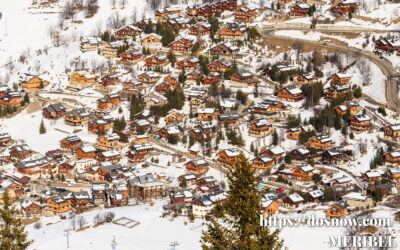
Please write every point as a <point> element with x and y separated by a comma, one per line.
<point>386,67</point>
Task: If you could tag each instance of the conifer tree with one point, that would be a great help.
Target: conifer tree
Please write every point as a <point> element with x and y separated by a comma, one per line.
<point>233,228</point>
<point>275,138</point>
<point>42,129</point>
<point>12,231</point>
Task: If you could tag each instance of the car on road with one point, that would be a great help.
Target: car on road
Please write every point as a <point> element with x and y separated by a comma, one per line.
<point>382,57</point>
<point>280,190</point>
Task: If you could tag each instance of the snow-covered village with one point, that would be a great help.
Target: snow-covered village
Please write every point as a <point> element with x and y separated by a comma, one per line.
<point>187,124</point>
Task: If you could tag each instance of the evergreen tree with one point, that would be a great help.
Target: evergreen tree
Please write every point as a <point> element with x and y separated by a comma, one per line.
<point>26,98</point>
<point>275,139</point>
<point>357,92</point>
<point>12,231</point>
<point>233,228</point>
<point>42,129</point>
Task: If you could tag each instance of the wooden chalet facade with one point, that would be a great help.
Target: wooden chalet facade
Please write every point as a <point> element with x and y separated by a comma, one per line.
<point>244,79</point>
<point>76,117</point>
<point>70,143</point>
<point>181,45</point>
<point>299,10</point>
<point>262,163</point>
<point>290,93</point>
<point>228,156</point>
<point>54,111</point>
<point>392,132</point>
<point>260,128</point>
<point>245,14</point>
<point>321,142</point>
<point>360,123</point>
<point>197,167</point>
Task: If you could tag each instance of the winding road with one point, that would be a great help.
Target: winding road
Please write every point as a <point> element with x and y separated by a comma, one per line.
<point>391,81</point>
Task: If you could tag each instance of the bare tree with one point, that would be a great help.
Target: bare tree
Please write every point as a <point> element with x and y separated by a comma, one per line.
<point>122,3</point>
<point>113,3</point>
<point>81,221</point>
<point>115,21</point>
<point>134,15</point>
<point>109,216</point>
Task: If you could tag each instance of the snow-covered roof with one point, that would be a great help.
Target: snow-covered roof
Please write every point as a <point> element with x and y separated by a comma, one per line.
<point>232,152</point>
<point>295,198</point>
<point>354,196</point>
<point>316,193</point>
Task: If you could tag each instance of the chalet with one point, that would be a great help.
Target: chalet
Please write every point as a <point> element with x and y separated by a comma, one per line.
<point>229,156</point>
<point>109,141</point>
<point>178,21</point>
<point>260,128</point>
<point>197,167</point>
<point>31,208</point>
<point>152,42</point>
<point>81,200</point>
<point>300,154</point>
<point>267,108</point>
<point>303,172</point>
<point>393,157</point>
<point>190,179</point>
<point>139,126</point>
<point>193,76</point>
<point>11,98</point>
<point>232,31</point>
<point>343,181</point>
<point>334,156</point>
<point>181,45</point>
<point>32,168</point>
<point>344,7</point>
<point>299,10</point>
<point>112,156</point>
<point>54,111</point>
<point>301,79</point>
<point>349,106</point>
<point>207,184</point>
<point>85,152</point>
<point>386,189</point>
<point>110,49</point>
<point>341,78</point>
<point>277,153</point>
<point>131,56</point>
<point>224,49</point>
<point>199,29</point>
<point>243,79</point>
<point>76,117</point>
<point>189,64</point>
<point>202,206</point>
<point>394,175</point>
<point>20,151</point>
<point>5,139</point>
<point>154,99</point>
<point>337,210</point>
<point>90,44</point>
<point>33,82</point>
<point>290,93</point>
<point>372,176</point>
<point>320,142</point>
<point>245,14</point>
<point>109,80</point>
<point>336,91</point>
<point>293,200</point>
<point>100,125</point>
<point>70,143</point>
<point>229,117</point>
<point>149,77</point>
<point>315,195</point>
<point>384,44</point>
<point>207,114</point>
<point>172,130</point>
<point>181,198</point>
<point>15,186</point>
<point>174,117</point>
<point>360,123</point>
<point>211,78</point>
<point>156,61</point>
<point>80,80</point>
<point>127,32</point>
<point>358,200</point>
<point>392,132</point>
<point>66,170</point>
<point>146,187</point>
<point>262,163</point>
<point>220,65</point>
<point>59,204</point>
<point>270,204</point>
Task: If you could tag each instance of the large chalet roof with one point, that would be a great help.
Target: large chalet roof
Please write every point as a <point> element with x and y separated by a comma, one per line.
<point>293,89</point>
<point>58,107</point>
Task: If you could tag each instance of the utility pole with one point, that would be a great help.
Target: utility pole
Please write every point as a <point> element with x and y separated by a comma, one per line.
<point>67,231</point>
